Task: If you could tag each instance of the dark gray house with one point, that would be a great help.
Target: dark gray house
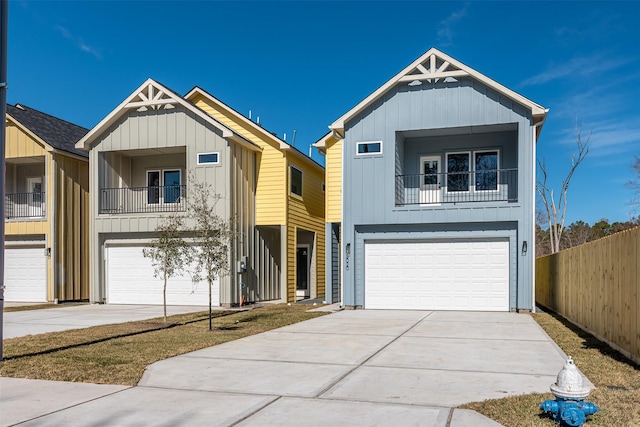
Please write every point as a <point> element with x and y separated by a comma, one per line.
<point>437,193</point>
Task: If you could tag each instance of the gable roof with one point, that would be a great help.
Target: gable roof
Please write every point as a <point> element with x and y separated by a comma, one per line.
<point>152,95</point>
<point>436,65</point>
<point>279,143</point>
<point>58,133</point>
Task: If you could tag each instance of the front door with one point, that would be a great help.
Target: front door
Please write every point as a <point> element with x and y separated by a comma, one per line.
<point>302,272</point>
<point>35,198</point>
<point>430,187</point>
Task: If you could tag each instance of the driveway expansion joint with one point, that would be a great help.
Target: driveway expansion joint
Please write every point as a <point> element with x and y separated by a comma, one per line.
<point>350,371</point>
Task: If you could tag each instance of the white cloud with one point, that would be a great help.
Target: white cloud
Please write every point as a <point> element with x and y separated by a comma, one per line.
<point>607,137</point>
<point>445,27</point>
<point>583,66</point>
<point>78,42</point>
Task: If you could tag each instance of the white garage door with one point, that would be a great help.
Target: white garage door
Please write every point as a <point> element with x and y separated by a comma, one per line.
<point>445,275</point>
<point>25,274</point>
<point>130,281</point>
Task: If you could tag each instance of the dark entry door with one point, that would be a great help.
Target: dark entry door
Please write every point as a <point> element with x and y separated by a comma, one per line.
<point>302,272</point>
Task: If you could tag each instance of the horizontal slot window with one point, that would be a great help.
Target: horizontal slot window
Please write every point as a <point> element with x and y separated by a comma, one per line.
<point>208,158</point>
<point>365,148</point>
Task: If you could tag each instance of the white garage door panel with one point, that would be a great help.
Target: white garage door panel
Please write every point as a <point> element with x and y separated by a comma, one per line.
<point>130,281</point>
<point>456,275</point>
<point>25,274</point>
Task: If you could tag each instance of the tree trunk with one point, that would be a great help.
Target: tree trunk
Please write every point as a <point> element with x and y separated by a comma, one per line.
<point>164,296</point>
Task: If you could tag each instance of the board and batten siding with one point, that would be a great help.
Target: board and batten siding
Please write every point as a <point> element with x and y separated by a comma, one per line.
<point>369,190</point>
<point>71,247</point>
<point>271,163</point>
<point>66,223</point>
<point>175,129</point>
<point>306,213</point>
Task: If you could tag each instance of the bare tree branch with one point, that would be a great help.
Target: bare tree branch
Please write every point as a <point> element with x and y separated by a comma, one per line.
<point>556,212</point>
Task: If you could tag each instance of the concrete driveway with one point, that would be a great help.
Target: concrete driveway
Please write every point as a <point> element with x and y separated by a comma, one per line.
<point>348,368</point>
<point>32,322</point>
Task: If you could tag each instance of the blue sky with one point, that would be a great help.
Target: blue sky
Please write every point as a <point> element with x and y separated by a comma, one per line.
<point>301,64</point>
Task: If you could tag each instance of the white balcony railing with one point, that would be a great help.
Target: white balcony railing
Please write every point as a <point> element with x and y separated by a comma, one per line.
<point>25,205</point>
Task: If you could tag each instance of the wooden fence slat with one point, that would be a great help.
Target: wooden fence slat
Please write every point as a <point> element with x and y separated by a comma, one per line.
<point>596,285</point>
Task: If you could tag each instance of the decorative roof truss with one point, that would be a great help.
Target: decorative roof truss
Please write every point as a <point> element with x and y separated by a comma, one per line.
<point>433,69</point>
<point>152,97</point>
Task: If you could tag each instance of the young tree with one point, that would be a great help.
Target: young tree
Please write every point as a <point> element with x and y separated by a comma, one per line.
<point>169,253</point>
<point>213,235</point>
<point>556,210</point>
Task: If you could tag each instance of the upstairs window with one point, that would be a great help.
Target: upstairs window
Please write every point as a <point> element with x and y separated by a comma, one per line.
<point>368,148</point>
<point>296,181</point>
<point>486,170</point>
<point>208,158</point>
<point>473,168</point>
<point>164,186</point>
<point>458,168</point>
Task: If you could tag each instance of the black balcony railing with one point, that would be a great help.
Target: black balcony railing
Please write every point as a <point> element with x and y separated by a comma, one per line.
<point>25,205</point>
<point>457,187</point>
<point>168,198</point>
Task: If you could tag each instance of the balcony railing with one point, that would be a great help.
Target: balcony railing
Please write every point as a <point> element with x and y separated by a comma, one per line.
<point>168,198</point>
<point>25,205</point>
<point>457,187</point>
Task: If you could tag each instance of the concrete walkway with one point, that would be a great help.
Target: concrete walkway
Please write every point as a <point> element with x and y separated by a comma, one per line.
<point>32,322</point>
<point>355,368</point>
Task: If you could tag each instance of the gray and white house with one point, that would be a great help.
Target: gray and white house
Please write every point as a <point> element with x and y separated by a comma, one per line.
<point>140,155</point>
<point>437,170</point>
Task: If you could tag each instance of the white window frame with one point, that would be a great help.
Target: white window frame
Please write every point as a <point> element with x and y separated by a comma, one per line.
<point>161,184</point>
<point>470,171</point>
<point>291,167</point>
<point>475,171</point>
<point>374,153</point>
<point>217,162</point>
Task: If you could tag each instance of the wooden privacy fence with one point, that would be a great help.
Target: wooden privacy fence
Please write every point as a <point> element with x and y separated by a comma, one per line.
<point>597,286</point>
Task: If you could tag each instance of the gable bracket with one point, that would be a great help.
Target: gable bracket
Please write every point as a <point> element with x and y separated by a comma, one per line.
<point>436,75</point>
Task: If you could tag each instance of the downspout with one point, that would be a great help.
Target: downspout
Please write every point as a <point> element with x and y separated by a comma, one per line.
<point>52,207</point>
<point>534,165</point>
<point>341,251</point>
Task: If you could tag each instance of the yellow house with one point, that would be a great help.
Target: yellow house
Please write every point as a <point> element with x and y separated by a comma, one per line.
<point>331,147</point>
<point>290,202</point>
<point>46,209</point>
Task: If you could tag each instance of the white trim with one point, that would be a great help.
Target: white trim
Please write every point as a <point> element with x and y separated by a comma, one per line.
<point>497,170</point>
<point>371,153</point>
<point>161,184</point>
<point>216,162</point>
<point>229,111</point>
<point>434,74</point>
<point>170,99</point>
<point>439,177</point>
<point>469,171</point>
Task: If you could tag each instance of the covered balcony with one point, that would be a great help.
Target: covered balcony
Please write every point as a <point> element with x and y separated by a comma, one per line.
<point>142,181</point>
<point>457,165</point>
<point>24,192</point>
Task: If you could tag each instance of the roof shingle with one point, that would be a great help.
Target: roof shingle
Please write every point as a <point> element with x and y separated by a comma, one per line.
<point>56,132</point>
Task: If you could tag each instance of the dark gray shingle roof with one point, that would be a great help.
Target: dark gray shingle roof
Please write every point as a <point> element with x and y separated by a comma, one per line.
<point>56,132</point>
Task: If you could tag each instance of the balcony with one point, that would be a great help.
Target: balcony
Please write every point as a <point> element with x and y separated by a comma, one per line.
<point>457,187</point>
<point>25,205</point>
<point>132,200</point>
